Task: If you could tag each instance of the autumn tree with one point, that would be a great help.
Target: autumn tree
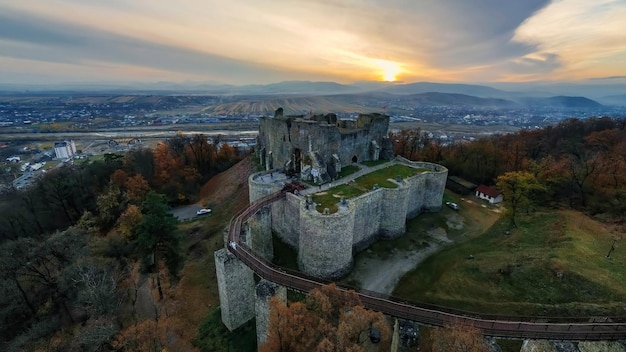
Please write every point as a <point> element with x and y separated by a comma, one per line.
<point>146,336</point>
<point>329,319</point>
<point>456,338</point>
<point>109,207</point>
<point>128,221</point>
<point>517,188</point>
<point>136,188</point>
<point>33,276</point>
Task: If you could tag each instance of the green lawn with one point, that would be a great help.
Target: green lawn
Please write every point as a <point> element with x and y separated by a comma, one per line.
<point>554,263</point>
<point>362,185</point>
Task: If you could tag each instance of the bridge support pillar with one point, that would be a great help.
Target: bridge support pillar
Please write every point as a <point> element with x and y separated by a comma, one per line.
<point>235,282</point>
<point>259,233</point>
<point>265,290</point>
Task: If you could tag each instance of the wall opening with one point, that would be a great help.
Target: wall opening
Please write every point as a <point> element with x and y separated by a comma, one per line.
<point>297,160</point>
<point>355,159</point>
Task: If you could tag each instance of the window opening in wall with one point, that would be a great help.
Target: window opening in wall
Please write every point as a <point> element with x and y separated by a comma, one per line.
<point>297,160</point>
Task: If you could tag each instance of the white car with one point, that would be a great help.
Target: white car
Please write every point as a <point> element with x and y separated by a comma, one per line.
<point>203,211</point>
<point>453,206</point>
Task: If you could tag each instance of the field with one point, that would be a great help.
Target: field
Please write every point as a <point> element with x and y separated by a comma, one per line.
<point>553,264</point>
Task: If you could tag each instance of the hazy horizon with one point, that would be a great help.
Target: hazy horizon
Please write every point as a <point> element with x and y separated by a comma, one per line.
<point>244,42</point>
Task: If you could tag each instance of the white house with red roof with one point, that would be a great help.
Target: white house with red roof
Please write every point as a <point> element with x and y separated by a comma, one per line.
<point>488,193</point>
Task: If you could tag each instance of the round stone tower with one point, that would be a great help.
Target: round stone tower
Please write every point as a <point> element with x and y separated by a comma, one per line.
<point>325,248</point>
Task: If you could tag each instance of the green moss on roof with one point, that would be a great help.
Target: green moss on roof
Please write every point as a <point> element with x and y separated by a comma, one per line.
<point>363,184</point>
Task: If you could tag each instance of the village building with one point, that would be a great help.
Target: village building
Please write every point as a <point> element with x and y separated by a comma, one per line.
<point>490,194</point>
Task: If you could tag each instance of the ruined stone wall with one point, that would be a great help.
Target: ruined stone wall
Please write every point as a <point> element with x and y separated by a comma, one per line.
<point>326,243</point>
<point>355,143</point>
<point>235,282</point>
<point>283,135</point>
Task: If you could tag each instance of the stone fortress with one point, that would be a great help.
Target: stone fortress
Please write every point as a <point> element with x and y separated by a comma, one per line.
<point>314,148</point>
<point>296,146</point>
<point>326,243</point>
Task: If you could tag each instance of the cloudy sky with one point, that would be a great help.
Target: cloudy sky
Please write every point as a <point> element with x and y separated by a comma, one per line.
<point>263,41</point>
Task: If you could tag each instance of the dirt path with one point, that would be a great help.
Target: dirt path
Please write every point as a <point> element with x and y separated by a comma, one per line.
<point>382,275</point>
<point>380,270</point>
<point>144,306</point>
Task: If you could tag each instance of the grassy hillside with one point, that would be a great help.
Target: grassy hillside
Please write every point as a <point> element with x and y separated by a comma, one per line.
<point>553,264</point>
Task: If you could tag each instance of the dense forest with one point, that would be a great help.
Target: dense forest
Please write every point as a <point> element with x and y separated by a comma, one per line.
<point>69,243</point>
<point>579,164</point>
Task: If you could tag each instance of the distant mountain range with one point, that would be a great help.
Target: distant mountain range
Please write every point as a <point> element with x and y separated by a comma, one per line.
<point>562,101</point>
<point>426,93</point>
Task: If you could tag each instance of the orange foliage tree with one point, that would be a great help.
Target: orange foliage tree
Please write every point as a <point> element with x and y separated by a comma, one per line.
<point>456,338</point>
<point>329,319</point>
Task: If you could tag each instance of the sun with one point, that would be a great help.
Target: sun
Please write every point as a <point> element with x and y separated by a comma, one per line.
<point>390,70</point>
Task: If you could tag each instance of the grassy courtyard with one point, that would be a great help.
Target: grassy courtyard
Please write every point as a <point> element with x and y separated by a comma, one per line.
<point>362,185</point>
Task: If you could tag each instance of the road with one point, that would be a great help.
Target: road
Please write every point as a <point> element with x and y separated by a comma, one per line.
<point>187,212</point>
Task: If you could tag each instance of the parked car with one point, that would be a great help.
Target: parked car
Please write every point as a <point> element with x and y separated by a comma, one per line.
<point>203,211</point>
<point>453,206</point>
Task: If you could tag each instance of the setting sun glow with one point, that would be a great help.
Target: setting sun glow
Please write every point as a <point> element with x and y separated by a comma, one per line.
<point>389,70</point>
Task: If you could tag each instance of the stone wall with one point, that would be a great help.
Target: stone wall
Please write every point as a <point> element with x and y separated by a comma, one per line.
<point>394,210</point>
<point>258,189</point>
<point>325,248</point>
<point>259,233</point>
<point>367,219</point>
<point>235,282</point>
<point>265,290</point>
<point>426,191</point>
<point>326,243</point>
<point>286,219</point>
